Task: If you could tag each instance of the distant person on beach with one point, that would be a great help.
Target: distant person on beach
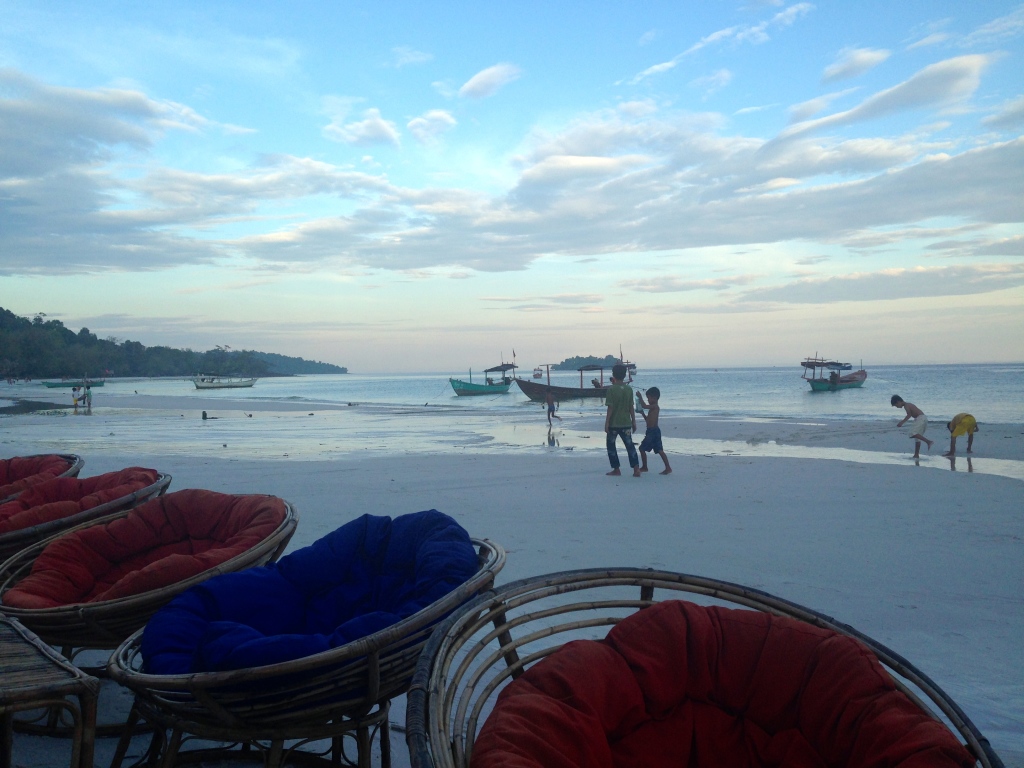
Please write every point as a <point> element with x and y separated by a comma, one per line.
<point>74,398</point>
<point>962,424</point>
<point>652,438</point>
<point>549,398</point>
<point>917,429</point>
<point>620,420</point>
<point>88,398</point>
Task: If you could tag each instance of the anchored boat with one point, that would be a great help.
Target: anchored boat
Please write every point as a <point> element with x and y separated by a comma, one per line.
<point>826,375</point>
<point>205,381</point>
<point>493,385</point>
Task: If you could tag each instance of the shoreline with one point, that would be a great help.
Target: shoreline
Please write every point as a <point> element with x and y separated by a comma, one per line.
<point>928,563</point>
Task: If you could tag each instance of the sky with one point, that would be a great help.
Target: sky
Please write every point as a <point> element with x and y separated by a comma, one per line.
<point>403,187</point>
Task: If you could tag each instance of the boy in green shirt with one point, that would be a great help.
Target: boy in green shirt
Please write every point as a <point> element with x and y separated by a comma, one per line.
<point>620,420</point>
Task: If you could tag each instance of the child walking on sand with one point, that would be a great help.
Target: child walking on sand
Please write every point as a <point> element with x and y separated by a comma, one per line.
<point>620,420</point>
<point>549,398</point>
<point>652,438</point>
<point>917,429</point>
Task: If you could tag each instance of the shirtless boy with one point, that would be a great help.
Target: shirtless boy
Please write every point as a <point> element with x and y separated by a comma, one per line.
<point>917,429</point>
<point>652,439</point>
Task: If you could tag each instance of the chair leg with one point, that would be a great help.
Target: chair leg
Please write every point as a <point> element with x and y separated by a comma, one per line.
<point>385,744</point>
<point>89,706</point>
<point>275,754</point>
<point>6,739</point>
<point>126,736</point>
<point>363,746</point>
<point>173,745</point>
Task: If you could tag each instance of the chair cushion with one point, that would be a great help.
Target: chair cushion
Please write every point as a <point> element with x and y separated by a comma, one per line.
<point>158,544</point>
<point>367,575</point>
<point>61,497</point>
<point>22,472</point>
<point>679,684</point>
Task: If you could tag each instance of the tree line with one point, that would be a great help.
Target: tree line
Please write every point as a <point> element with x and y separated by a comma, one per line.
<point>40,348</point>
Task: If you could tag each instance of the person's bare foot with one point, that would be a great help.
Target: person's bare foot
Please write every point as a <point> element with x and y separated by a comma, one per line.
<point>665,472</point>
<point>614,472</point>
<point>636,471</point>
<point>644,469</point>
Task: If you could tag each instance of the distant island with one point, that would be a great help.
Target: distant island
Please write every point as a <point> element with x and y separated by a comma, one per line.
<point>39,348</point>
<point>575,363</point>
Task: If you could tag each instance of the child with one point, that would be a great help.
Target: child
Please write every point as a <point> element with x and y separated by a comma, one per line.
<point>620,420</point>
<point>652,438</point>
<point>550,400</point>
<point>962,424</point>
<point>917,429</point>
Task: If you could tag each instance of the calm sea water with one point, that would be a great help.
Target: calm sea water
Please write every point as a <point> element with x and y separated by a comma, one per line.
<point>993,393</point>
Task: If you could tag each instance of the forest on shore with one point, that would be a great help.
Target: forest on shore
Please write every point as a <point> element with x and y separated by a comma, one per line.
<point>575,363</point>
<point>40,348</point>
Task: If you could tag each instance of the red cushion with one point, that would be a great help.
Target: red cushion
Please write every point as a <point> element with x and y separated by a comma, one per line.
<point>65,496</point>
<point>679,684</point>
<point>21,472</point>
<point>161,542</point>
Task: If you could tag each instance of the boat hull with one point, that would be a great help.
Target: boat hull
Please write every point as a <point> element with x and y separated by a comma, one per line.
<point>243,383</point>
<point>538,392</point>
<point>58,384</point>
<point>849,381</point>
<point>469,388</point>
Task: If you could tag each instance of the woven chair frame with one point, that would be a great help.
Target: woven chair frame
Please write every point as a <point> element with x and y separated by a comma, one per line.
<point>77,462</point>
<point>13,542</point>
<point>107,623</point>
<point>303,698</point>
<point>489,642</point>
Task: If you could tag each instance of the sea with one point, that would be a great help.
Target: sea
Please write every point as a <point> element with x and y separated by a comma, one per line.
<point>992,393</point>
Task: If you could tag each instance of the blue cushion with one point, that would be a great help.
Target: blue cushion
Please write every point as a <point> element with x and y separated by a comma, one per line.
<point>365,576</point>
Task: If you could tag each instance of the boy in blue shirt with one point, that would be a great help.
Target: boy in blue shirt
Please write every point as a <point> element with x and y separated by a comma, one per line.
<point>620,420</point>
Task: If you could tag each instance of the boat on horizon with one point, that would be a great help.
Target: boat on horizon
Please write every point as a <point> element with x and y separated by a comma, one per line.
<point>492,385</point>
<point>538,392</point>
<point>207,381</point>
<point>835,380</point>
<point>630,366</point>
<point>74,383</point>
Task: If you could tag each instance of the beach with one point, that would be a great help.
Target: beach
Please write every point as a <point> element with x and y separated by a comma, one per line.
<point>832,514</point>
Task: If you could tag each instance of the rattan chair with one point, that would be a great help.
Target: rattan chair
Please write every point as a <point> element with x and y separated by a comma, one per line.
<point>105,624</point>
<point>14,541</point>
<point>482,647</point>
<point>278,709</point>
<point>18,478</point>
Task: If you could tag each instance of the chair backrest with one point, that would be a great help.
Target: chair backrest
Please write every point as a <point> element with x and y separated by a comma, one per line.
<point>480,648</point>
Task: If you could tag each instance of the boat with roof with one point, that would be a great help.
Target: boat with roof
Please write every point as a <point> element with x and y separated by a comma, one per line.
<point>827,375</point>
<point>493,384</point>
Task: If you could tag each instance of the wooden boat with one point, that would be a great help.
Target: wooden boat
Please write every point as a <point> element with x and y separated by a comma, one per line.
<point>74,383</point>
<point>630,366</point>
<point>494,385</point>
<point>538,373</point>
<point>817,366</point>
<point>538,391</point>
<point>203,381</point>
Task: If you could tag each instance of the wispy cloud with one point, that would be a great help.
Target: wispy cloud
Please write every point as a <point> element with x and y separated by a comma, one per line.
<point>429,126</point>
<point>488,82</point>
<point>678,285</point>
<point>933,39</point>
<point>372,129</point>
<point>853,62</point>
<point>404,56</point>
<point>716,81</point>
<point>1009,117</point>
<point>1002,28</point>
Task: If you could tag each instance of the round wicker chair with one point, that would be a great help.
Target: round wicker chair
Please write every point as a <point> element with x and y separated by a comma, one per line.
<point>346,690</point>
<point>15,540</point>
<point>106,623</point>
<point>21,472</point>
<point>491,641</point>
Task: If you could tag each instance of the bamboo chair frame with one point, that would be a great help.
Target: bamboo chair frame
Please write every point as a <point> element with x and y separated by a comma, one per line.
<point>345,690</point>
<point>34,676</point>
<point>484,645</point>
<point>107,623</point>
<point>13,542</point>
<point>77,462</point>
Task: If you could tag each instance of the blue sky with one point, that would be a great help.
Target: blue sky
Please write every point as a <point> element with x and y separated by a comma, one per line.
<point>410,187</point>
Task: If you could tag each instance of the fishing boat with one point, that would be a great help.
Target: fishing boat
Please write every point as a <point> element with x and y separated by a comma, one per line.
<point>630,366</point>
<point>538,372</point>
<point>539,391</point>
<point>206,381</point>
<point>815,374</point>
<point>493,385</point>
<point>73,383</point>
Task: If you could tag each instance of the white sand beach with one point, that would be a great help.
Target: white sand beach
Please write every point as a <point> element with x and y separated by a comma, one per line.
<point>833,515</point>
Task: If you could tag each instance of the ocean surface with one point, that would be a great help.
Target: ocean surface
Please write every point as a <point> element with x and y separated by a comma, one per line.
<point>992,393</point>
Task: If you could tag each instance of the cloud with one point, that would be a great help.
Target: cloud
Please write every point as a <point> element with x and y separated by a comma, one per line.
<point>853,62</point>
<point>405,55</point>
<point>372,129</point>
<point>716,81</point>
<point>933,39</point>
<point>429,126</point>
<point>1005,27</point>
<point>1006,246</point>
<point>1009,117</point>
<point>489,81</point>
<point>647,37</point>
<point>808,261</point>
<point>677,285</point>
<point>937,85</point>
<point>892,284</point>
<point>807,109</point>
<point>743,33</point>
